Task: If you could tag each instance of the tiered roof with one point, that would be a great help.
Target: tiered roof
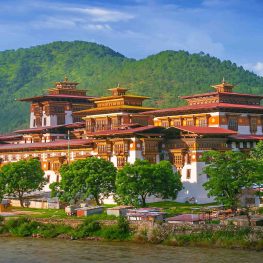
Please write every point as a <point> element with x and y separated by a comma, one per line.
<point>223,99</point>
<point>119,101</point>
<point>64,90</point>
<point>206,108</point>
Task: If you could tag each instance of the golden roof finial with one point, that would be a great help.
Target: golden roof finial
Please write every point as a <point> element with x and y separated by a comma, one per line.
<point>118,85</point>
<point>65,78</point>
<point>223,80</point>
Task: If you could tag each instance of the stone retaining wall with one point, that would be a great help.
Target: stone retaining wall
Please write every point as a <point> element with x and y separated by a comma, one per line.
<point>172,228</point>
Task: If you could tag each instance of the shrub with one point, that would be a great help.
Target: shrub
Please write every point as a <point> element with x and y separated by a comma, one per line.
<point>21,227</point>
<point>51,231</point>
<point>123,224</point>
<point>86,229</point>
<point>113,233</point>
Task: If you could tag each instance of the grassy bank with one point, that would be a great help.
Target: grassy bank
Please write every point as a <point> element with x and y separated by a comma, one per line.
<point>229,237</point>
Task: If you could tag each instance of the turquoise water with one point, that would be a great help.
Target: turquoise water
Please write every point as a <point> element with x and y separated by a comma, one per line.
<point>22,250</point>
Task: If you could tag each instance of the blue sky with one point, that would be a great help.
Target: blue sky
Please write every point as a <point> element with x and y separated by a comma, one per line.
<point>228,29</point>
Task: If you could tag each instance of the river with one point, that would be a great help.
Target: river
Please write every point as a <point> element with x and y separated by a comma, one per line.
<point>22,250</point>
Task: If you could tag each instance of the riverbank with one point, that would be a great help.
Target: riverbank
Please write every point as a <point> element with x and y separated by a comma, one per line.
<point>214,236</point>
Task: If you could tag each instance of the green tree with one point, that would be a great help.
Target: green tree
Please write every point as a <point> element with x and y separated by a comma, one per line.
<point>257,152</point>
<point>22,177</point>
<point>137,181</point>
<point>2,186</point>
<point>230,173</point>
<point>83,178</point>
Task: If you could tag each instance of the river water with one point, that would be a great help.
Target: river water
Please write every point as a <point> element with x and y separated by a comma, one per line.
<point>21,250</point>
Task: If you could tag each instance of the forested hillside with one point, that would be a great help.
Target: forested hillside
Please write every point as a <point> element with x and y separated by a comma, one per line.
<point>164,76</point>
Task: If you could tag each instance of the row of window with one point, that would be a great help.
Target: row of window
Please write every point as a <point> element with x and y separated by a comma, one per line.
<point>201,122</point>
<point>103,124</point>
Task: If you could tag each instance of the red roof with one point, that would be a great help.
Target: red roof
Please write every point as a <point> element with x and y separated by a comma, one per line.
<point>205,130</point>
<point>247,137</point>
<point>59,96</point>
<point>187,218</point>
<point>40,129</point>
<point>47,145</point>
<point>210,106</point>
<point>126,131</point>
<point>10,137</point>
<point>221,93</point>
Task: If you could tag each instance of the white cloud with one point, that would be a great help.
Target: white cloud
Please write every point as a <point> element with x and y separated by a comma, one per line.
<point>98,14</point>
<point>97,27</point>
<point>259,68</point>
<point>54,23</point>
<point>256,68</point>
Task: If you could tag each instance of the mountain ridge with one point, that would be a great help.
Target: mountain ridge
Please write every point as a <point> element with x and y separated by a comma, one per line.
<point>163,76</point>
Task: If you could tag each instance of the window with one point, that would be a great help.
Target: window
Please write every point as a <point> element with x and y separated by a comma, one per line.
<point>120,148</point>
<point>101,124</point>
<point>253,125</point>
<point>202,122</point>
<point>188,173</point>
<point>188,158</point>
<point>178,160</point>
<point>48,178</point>
<point>165,124</point>
<point>189,122</point>
<point>233,124</point>
<point>77,119</point>
<point>45,122</point>
<point>150,158</point>
<point>121,160</point>
<point>34,123</point>
<point>57,179</point>
<point>59,109</point>
<point>102,148</point>
<point>56,166</point>
<point>60,119</point>
<point>177,122</point>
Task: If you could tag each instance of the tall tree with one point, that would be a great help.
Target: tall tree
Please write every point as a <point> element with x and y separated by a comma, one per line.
<point>22,177</point>
<point>137,181</point>
<point>2,186</point>
<point>83,178</point>
<point>230,173</point>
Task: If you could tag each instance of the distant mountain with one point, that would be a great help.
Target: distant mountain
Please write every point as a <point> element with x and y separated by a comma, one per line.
<point>164,76</point>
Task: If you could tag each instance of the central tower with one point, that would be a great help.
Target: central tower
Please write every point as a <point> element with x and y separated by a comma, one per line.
<point>56,107</point>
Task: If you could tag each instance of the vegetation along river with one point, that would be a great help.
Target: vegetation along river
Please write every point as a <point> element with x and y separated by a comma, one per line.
<point>21,250</point>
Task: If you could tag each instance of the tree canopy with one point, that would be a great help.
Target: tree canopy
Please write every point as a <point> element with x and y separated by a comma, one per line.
<point>163,76</point>
<point>257,152</point>
<point>19,178</point>
<point>137,181</point>
<point>230,173</point>
<point>91,177</point>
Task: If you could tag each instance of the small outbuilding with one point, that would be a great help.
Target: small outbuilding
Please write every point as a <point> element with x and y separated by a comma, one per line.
<point>186,219</point>
<point>86,211</point>
<point>118,210</point>
<point>255,220</point>
<point>145,214</point>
